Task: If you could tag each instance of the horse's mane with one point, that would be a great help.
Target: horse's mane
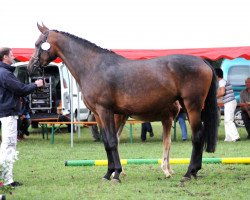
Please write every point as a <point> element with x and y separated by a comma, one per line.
<point>85,42</point>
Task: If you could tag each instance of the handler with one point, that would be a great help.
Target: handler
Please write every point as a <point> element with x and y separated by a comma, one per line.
<point>10,91</point>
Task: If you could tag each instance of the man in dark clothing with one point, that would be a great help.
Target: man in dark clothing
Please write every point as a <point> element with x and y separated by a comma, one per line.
<point>23,121</point>
<point>146,127</point>
<point>10,91</point>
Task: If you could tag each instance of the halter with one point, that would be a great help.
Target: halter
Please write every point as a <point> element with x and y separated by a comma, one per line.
<point>37,63</point>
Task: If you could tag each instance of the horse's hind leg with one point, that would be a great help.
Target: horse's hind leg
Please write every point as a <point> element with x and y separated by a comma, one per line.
<point>167,123</point>
<point>197,142</point>
<point>120,121</point>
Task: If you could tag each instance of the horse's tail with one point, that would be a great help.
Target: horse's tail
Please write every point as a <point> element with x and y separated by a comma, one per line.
<point>210,116</point>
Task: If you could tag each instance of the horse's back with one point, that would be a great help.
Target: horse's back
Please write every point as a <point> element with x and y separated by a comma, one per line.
<point>178,71</point>
<point>184,64</point>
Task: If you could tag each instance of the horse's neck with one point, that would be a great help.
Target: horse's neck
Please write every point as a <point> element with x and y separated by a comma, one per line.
<point>72,57</point>
<point>75,59</point>
<point>82,61</point>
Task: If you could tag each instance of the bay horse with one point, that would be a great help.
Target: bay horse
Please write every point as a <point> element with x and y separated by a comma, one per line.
<point>115,87</point>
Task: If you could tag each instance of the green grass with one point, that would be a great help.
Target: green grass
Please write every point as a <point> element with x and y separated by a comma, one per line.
<point>41,169</point>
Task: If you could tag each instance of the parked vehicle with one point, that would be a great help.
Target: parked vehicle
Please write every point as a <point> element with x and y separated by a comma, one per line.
<point>53,100</point>
<point>235,72</point>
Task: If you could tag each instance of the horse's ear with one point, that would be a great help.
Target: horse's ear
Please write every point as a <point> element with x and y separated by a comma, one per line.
<point>42,28</point>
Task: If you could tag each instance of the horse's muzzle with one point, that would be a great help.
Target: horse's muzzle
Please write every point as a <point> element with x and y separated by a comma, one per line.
<point>34,66</point>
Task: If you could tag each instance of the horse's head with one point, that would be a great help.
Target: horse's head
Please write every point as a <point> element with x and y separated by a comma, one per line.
<point>44,52</point>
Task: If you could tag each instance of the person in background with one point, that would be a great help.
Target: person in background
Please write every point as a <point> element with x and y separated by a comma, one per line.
<point>23,122</point>
<point>245,99</point>
<point>220,104</point>
<point>10,91</point>
<point>146,127</point>
<point>225,91</point>
<point>181,119</point>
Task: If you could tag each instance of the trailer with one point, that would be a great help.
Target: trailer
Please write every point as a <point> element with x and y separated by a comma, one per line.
<point>53,100</point>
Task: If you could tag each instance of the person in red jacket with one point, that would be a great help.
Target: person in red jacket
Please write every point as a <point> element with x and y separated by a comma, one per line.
<point>10,91</point>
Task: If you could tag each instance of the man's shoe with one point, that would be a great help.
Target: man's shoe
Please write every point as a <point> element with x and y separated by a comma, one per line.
<point>15,184</point>
<point>237,140</point>
<point>27,133</point>
<point>97,139</point>
<point>20,137</point>
<point>151,134</point>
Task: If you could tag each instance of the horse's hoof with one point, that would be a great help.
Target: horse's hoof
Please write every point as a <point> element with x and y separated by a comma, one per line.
<point>185,179</point>
<point>168,175</point>
<point>197,177</point>
<point>105,179</point>
<point>123,173</point>
<point>115,181</point>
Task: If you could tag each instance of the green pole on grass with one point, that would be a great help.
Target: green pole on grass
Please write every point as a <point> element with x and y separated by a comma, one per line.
<point>233,160</point>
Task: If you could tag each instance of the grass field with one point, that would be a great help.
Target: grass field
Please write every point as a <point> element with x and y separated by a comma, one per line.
<point>41,169</point>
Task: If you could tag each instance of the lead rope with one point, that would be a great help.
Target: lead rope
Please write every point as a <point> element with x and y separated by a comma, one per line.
<point>43,79</point>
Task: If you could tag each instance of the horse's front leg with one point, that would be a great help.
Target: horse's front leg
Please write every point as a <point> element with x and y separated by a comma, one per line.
<point>111,144</point>
<point>111,165</point>
<point>167,123</point>
<point>120,121</point>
